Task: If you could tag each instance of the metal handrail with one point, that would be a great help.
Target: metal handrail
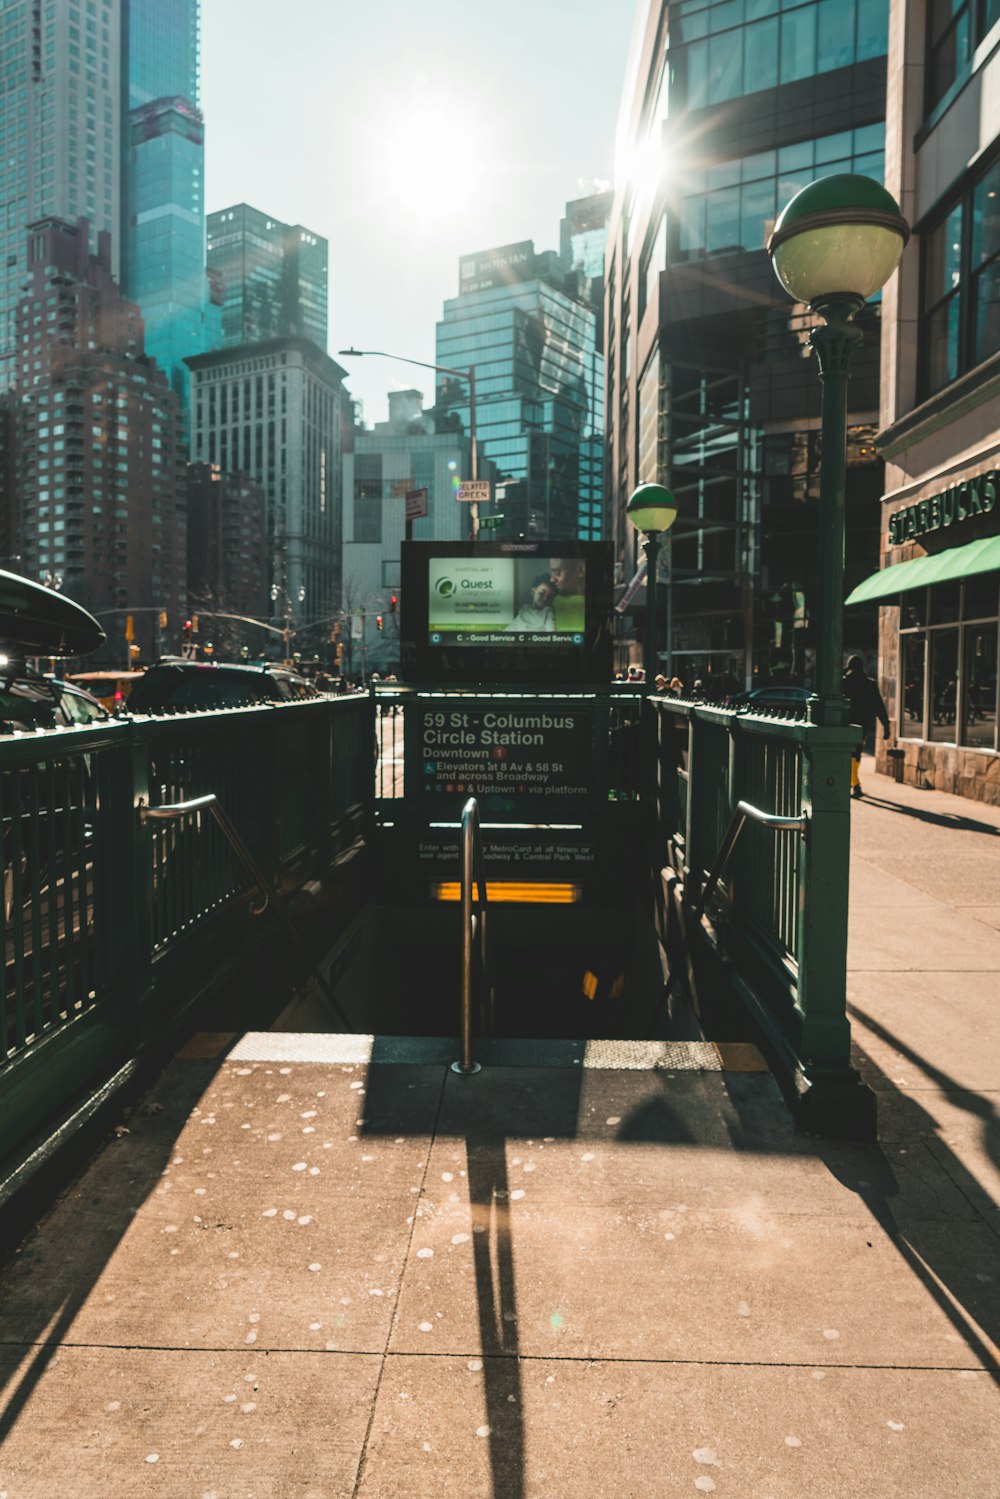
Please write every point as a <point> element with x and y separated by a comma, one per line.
<point>745,810</point>
<point>211,803</point>
<point>473,924</point>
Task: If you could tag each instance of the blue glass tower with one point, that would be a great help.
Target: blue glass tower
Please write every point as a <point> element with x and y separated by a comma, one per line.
<point>520,321</point>
<point>163,240</point>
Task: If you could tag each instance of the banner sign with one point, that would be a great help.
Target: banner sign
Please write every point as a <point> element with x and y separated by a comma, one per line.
<point>633,587</point>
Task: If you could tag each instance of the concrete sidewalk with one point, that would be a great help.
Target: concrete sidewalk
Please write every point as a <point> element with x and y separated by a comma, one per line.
<point>313,1267</point>
<point>924,974</point>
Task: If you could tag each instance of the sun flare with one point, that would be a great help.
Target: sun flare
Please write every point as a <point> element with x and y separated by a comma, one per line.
<point>427,167</point>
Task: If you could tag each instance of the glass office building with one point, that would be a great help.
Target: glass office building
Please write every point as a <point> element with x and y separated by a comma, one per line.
<point>163,238</point>
<point>519,321</point>
<point>273,275</point>
<point>731,109</point>
<point>164,50</point>
<point>165,268</point>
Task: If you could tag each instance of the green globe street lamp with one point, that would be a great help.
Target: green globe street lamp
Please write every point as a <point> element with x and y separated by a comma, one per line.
<point>835,245</point>
<point>652,510</point>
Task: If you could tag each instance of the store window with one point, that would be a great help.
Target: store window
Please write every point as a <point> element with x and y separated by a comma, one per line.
<point>948,644</point>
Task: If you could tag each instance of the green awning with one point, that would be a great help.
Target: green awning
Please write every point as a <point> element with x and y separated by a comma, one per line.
<point>944,567</point>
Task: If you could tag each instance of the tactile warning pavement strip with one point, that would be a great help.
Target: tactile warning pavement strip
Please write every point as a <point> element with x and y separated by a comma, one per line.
<point>641,1056</point>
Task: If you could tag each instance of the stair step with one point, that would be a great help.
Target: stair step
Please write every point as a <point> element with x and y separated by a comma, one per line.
<point>606,1055</point>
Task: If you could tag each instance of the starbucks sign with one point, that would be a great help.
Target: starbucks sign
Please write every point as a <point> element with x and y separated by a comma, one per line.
<point>951,507</point>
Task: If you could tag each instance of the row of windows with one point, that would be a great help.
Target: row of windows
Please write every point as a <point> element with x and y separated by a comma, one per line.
<point>955,29</point>
<point>960,322</point>
<point>761,49</point>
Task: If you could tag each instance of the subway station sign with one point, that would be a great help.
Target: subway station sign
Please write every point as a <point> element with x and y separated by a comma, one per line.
<point>512,758</point>
<point>958,503</point>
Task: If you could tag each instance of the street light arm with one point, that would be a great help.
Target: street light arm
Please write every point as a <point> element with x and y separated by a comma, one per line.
<point>444,369</point>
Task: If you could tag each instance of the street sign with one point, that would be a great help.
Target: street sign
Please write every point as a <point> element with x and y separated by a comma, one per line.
<point>474,491</point>
<point>490,522</point>
<point>633,588</point>
<point>416,503</point>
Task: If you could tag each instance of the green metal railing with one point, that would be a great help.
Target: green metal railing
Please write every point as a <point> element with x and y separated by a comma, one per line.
<point>778,914</point>
<point>112,918</point>
<point>103,906</point>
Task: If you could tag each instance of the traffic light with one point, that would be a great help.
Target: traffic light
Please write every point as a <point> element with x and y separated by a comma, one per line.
<point>378,621</point>
<point>163,619</point>
<point>392,604</point>
<point>187,629</point>
<point>133,650</point>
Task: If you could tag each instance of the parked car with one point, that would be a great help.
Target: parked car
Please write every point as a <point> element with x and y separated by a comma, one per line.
<point>110,687</point>
<point>31,701</point>
<point>291,684</point>
<point>175,686</point>
<point>792,699</point>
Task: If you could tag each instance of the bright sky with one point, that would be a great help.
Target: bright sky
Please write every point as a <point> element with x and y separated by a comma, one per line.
<point>409,134</point>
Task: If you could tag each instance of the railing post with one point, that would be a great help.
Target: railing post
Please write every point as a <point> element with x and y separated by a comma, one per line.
<point>126,896</point>
<point>834,1099</point>
<point>692,833</point>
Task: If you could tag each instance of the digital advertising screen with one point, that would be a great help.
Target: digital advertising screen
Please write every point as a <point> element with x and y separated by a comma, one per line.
<point>506,611</point>
<point>506,602</point>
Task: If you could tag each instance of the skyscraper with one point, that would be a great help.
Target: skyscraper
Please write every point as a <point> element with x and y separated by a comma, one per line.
<point>520,321</point>
<point>278,411</point>
<point>60,132</point>
<point>98,483</point>
<point>274,277</point>
<point>227,553</point>
<point>163,41</point>
<point>163,230</point>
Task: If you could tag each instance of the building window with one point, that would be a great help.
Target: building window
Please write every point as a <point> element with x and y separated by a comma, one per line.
<point>654,261</point>
<point>732,205</point>
<point>960,311</point>
<point>718,52</point>
<point>648,456</point>
<point>368,497</point>
<point>948,663</point>
<point>955,29</point>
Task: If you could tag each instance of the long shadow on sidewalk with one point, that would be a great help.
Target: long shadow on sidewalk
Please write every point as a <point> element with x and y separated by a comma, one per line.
<point>493,1114</point>
<point>43,1293</point>
<point>498,1114</point>
<point>949,820</point>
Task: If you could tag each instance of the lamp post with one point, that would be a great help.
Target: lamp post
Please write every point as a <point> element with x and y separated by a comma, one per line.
<point>469,376</point>
<point>834,245</point>
<point>652,510</point>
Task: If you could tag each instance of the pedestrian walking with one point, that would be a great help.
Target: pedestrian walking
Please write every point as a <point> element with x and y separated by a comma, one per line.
<point>867,707</point>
